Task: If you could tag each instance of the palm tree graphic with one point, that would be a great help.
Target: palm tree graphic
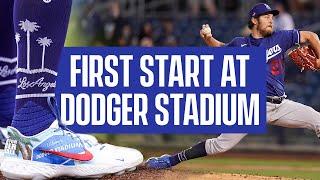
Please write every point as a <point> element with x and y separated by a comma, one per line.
<point>24,145</point>
<point>44,42</point>
<point>28,27</point>
<point>17,38</point>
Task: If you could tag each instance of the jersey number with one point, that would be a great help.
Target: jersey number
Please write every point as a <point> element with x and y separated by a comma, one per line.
<point>276,67</point>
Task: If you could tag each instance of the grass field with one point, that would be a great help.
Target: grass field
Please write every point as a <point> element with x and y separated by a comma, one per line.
<point>233,168</point>
<point>74,36</point>
<point>290,168</point>
<point>270,164</point>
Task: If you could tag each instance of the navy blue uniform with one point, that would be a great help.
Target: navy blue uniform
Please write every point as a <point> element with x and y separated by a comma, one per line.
<point>276,46</point>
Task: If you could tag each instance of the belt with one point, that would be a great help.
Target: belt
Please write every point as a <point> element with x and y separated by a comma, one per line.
<point>275,99</point>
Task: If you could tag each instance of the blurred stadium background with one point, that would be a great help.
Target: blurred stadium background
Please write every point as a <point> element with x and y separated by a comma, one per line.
<point>177,23</point>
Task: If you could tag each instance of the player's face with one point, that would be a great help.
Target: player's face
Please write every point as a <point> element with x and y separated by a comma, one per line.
<point>265,25</point>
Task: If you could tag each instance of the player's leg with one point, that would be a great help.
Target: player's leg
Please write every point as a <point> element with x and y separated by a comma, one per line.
<point>38,145</point>
<point>8,63</point>
<point>223,143</point>
<point>293,115</point>
<point>213,146</point>
<point>42,27</point>
<point>8,66</point>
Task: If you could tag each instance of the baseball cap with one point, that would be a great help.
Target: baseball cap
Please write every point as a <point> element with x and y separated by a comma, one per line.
<point>261,9</point>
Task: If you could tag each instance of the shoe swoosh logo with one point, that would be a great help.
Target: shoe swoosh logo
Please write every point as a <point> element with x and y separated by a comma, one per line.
<point>120,160</point>
<point>85,156</point>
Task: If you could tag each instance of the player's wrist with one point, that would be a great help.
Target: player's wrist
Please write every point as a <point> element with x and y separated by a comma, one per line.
<point>318,64</point>
<point>208,37</point>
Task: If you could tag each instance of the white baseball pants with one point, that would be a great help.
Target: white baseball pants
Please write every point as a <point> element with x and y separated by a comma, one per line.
<point>287,114</point>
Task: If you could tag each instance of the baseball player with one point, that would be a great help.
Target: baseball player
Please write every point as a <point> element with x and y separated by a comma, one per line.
<point>39,146</point>
<point>280,111</point>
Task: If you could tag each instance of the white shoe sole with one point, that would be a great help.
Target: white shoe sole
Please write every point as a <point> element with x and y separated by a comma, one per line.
<point>14,168</point>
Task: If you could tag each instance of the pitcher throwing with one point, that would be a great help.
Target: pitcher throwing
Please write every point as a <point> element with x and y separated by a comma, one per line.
<point>280,111</point>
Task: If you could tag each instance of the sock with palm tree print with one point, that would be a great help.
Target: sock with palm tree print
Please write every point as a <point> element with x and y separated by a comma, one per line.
<point>40,27</point>
<point>8,63</point>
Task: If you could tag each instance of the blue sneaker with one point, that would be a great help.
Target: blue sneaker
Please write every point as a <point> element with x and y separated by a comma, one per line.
<point>162,162</point>
<point>57,152</point>
<point>4,136</point>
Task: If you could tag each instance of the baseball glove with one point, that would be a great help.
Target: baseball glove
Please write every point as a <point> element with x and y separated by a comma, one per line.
<point>304,57</point>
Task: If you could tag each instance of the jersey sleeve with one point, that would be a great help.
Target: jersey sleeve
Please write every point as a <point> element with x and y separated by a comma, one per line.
<point>234,43</point>
<point>289,38</point>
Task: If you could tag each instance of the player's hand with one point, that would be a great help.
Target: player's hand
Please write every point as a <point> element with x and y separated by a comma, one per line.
<point>205,32</point>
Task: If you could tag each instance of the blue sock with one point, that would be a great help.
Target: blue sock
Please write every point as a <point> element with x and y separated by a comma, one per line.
<point>8,63</point>
<point>42,27</point>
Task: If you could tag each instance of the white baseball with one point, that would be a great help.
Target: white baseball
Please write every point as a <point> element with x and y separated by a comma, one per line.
<point>206,30</point>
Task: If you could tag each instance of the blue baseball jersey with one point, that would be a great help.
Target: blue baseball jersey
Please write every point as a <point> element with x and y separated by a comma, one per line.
<point>276,46</point>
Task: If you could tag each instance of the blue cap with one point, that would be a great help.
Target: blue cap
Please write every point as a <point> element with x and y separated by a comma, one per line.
<point>261,9</point>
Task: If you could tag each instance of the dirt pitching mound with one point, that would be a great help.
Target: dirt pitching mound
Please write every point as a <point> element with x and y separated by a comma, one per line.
<point>146,174</point>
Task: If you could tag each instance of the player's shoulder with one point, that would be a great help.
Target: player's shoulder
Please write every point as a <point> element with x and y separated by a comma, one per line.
<point>284,32</point>
<point>237,41</point>
<point>279,32</point>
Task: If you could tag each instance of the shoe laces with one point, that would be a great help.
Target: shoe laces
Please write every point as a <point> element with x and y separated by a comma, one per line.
<point>66,131</point>
<point>94,144</point>
<point>62,127</point>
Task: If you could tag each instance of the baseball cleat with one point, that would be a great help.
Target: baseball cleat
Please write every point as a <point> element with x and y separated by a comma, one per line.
<point>120,173</point>
<point>162,162</point>
<point>131,169</point>
<point>4,137</point>
<point>58,152</point>
<point>88,137</point>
